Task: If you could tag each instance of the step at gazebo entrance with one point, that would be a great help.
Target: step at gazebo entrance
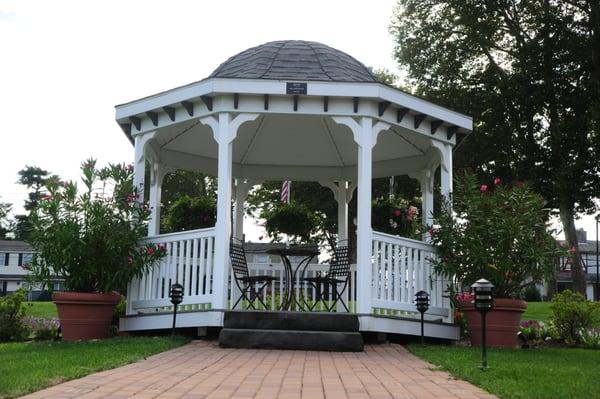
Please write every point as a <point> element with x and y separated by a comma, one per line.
<point>291,110</point>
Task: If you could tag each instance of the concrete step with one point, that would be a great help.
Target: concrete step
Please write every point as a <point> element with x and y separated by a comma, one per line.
<point>291,339</point>
<point>312,321</point>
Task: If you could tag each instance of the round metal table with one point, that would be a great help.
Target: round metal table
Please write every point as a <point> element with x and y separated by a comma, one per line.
<point>291,272</point>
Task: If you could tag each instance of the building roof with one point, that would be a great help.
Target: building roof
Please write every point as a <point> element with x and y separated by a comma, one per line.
<point>14,246</point>
<point>294,60</point>
<point>259,247</point>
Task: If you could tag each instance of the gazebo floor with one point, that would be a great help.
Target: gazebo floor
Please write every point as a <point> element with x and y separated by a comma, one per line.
<point>344,322</point>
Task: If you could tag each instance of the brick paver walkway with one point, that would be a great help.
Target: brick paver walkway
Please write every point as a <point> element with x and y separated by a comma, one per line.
<point>203,370</point>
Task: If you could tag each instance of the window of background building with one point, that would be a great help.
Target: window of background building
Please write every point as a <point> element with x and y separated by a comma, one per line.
<point>6,258</point>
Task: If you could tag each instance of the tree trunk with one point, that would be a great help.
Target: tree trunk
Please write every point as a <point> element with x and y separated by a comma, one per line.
<point>577,274</point>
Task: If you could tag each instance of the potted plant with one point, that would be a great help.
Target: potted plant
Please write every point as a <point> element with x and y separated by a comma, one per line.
<point>293,219</point>
<point>499,233</point>
<point>91,241</point>
<point>395,216</point>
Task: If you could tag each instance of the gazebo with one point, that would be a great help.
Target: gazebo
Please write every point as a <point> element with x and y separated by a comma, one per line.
<point>300,111</point>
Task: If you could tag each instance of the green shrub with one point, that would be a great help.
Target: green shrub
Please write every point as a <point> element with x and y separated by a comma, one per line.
<point>571,313</point>
<point>188,213</point>
<point>531,294</point>
<point>12,315</point>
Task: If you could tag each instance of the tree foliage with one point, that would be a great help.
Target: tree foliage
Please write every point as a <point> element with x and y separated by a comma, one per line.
<point>5,223</point>
<point>35,179</point>
<point>529,73</point>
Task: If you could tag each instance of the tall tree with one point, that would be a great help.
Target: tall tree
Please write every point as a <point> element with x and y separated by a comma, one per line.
<point>5,224</point>
<point>34,178</point>
<point>528,72</point>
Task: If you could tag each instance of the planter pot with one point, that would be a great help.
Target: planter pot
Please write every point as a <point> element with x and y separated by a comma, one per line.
<point>502,323</point>
<point>85,315</point>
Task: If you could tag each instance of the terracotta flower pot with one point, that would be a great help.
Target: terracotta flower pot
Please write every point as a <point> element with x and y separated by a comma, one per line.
<point>502,323</point>
<point>85,315</point>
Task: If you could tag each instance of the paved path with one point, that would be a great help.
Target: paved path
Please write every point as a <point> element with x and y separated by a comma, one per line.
<point>203,370</point>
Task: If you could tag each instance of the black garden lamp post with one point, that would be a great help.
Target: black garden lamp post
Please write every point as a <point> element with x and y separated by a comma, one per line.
<point>422,301</point>
<point>484,302</point>
<point>176,295</point>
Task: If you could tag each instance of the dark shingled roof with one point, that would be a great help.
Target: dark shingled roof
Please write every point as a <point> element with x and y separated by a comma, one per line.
<point>294,60</point>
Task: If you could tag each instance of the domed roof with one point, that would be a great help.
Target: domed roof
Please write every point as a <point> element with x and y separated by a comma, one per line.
<point>294,60</point>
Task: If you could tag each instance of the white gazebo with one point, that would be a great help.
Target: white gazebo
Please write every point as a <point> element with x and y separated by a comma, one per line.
<point>300,111</point>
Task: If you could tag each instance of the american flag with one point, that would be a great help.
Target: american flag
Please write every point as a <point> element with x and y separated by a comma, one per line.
<point>286,188</point>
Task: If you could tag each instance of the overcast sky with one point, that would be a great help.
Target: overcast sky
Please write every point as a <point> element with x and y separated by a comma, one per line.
<point>66,64</point>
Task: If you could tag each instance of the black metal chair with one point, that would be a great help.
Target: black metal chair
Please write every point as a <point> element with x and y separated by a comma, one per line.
<point>250,286</point>
<point>338,273</point>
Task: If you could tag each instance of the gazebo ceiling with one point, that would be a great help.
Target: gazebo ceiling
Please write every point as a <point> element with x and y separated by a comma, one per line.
<point>294,60</point>
<point>294,146</point>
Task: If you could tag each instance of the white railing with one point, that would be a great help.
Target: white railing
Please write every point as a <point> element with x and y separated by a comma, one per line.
<point>273,295</point>
<point>400,268</point>
<point>189,261</point>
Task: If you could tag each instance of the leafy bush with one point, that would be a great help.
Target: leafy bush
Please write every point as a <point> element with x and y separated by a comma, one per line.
<point>43,329</point>
<point>12,314</point>
<point>293,219</point>
<point>91,240</point>
<point>497,232</point>
<point>590,337</point>
<point>571,313</point>
<point>395,216</point>
<point>531,294</point>
<point>188,213</point>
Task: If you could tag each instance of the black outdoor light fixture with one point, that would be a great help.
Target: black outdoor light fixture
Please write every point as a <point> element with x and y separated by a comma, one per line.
<point>422,301</point>
<point>484,302</point>
<point>176,295</point>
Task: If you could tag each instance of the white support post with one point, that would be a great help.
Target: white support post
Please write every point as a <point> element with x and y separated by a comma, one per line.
<point>425,178</point>
<point>224,131</point>
<point>157,174</point>
<point>141,147</point>
<point>445,156</point>
<point>342,210</point>
<point>365,135</point>
<point>139,167</point>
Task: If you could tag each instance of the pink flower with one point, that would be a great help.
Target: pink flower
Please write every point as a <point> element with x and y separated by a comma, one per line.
<point>497,181</point>
<point>431,231</point>
<point>47,197</point>
<point>130,259</point>
<point>260,238</point>
<point>25,266</point>
<point>150,251</point>
<point>129,168</point>
<point>132,197</point>
<point>162,247</point>
<point>572,250</point>
<point>413,210</point>
<point>397,212</point>
<point>483,188</point>
<point>508,275</point>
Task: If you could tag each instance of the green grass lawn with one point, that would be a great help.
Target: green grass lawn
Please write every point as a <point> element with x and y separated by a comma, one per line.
<point>31,366</point>
<point>45,310</point>
<point>538,373</point>
<point>537,311</point>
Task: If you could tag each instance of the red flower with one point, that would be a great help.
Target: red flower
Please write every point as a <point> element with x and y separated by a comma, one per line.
<point>25,266</point>
<point>520,184</point>
<point>509,275</point>
<point>130,259</point>
<point>572,250</point>
<point>150,251</point>
<point>129,168</point>
<point>397,212</point>
<point>483,188</point>
<point>497,181</point>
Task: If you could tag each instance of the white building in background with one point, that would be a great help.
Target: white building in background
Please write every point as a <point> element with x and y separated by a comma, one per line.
<point>13,255</point>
